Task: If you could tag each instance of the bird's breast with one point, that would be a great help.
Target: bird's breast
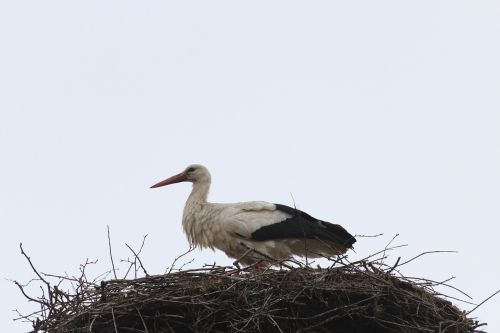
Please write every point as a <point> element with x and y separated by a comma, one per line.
<point>202,226</point>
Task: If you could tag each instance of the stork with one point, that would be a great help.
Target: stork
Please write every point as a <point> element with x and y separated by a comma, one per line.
<point>254,232</point>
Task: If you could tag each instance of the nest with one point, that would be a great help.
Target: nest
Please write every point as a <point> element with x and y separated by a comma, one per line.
<point>347,297</point>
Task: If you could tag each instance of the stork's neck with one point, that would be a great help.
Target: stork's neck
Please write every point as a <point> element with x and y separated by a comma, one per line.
<point>195,215</point>
<point>199,194</point>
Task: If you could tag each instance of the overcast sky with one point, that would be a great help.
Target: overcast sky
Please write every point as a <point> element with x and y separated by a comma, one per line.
<point>382,116</point>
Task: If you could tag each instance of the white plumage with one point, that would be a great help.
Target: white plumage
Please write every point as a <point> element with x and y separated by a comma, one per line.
<point>257,230</point>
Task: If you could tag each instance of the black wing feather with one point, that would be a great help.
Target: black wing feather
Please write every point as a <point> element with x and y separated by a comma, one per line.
<point>303,225</point>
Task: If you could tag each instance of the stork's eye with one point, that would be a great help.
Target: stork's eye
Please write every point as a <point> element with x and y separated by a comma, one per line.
<point>190,169</point>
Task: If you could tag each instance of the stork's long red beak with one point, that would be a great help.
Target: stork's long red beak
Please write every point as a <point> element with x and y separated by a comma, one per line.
<point>172,180</point>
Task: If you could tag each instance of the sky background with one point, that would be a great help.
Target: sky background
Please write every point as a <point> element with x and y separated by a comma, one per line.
<point>382,116</point>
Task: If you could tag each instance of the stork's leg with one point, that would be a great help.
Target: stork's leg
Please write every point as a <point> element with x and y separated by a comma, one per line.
<point>237,261</point>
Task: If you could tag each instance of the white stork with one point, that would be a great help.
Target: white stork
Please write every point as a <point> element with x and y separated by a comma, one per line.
<point>255,231</point>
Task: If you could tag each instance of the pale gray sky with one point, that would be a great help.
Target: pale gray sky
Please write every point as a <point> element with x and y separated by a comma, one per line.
<point>382,116</point>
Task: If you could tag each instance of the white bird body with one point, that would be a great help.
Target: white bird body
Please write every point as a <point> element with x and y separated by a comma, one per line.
<point>270,230</point>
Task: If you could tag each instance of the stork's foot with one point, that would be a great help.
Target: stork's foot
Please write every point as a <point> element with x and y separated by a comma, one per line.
<point>260,265</point>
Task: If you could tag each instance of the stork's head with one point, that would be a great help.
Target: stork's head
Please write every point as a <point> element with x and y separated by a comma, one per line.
<point>194,173</point>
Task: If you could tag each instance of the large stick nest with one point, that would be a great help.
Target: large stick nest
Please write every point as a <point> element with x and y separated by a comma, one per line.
<point>352,297</point>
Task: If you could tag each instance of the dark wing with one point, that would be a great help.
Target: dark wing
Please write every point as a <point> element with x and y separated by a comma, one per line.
<point>303,225</point>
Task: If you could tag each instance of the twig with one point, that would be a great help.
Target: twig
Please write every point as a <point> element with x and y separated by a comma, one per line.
<point>28,297</point>
<point>111,254</point>
<point>293,200</point>
<point>185,264</point>
<point>92,324</point>
<point>139,259</point>
<point>386,247</point>
<point>191,249</point>
<point>368,236</point>
<point>423,253</point>
<point>33,267</point>
<point>143,322</point>
<point>134,263</point>
<point>394,266</point>
<point>496,292</point>
<point>114,320</point>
